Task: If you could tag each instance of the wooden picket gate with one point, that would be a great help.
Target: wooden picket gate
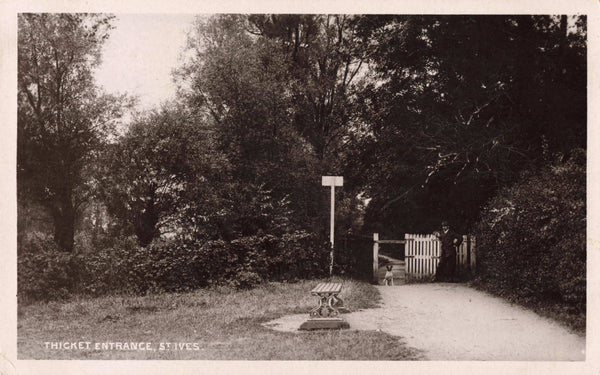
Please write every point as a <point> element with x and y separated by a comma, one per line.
<point>422,254</point>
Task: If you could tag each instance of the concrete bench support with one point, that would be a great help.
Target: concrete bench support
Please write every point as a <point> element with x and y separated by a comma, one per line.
<point>326,314</point>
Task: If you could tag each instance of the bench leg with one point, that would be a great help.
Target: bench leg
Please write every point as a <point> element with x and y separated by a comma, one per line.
<point>339,305</point>
<point>331,302</point>
<point>317,311</point>
<point>326,314</point>
<point>327,307</point>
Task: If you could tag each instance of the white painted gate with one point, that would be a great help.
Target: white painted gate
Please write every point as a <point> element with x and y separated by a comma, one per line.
<point>422,254</point>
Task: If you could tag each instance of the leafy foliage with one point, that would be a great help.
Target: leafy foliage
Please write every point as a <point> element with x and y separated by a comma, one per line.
<point>323,57</point>
<point>253,242</point>
<point>531,240</point>
<point>456,107</point>
<point>277,88</point>
<point>62,116</point>
<point>164,165</point>
<point>168,265</point>
<point>44,272</point>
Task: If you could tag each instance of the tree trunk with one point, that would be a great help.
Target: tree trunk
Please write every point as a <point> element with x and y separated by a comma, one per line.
<point>145,224</point>
<point>64,225</point>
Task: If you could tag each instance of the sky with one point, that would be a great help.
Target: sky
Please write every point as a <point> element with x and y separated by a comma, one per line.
<point>140,54</point>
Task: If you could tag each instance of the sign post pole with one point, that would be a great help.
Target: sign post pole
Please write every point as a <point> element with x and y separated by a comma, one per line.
<point>332,181</point>
<point>332,221</point>
<point>375,256</point>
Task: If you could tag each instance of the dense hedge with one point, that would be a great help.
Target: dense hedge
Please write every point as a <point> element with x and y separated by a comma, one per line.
<point>167,265</point>
<point>44,272</point>
<point>531,241</point>
<point>250,241</point>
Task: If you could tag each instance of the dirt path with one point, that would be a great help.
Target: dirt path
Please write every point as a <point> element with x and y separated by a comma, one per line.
<point>455,322</point>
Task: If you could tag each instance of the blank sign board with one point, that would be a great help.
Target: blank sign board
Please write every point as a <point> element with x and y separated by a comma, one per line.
<point>332,180</point>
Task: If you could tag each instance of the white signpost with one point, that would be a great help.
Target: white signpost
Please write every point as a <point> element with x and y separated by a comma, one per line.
<point>332,181</point>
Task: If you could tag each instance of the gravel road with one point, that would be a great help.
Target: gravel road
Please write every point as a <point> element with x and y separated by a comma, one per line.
<point>455,322</point>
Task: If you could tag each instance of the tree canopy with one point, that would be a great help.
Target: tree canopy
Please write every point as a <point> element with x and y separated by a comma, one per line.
<point>455,107</point>
<point>62,116</point>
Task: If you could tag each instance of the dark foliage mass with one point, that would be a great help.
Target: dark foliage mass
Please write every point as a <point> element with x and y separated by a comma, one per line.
<point>44,272</point>
<point>174,265</point>
<point>458,106</point>
<point>531,240</point>
<point>463,118</point>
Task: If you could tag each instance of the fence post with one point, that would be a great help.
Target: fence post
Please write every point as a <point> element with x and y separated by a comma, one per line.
<point>473,243</point>
<point>375,256</point>
<point>468,252</point>
<point>408,255</point>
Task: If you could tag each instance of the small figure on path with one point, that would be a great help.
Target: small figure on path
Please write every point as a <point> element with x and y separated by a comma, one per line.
<point>388,279</point>
<point>447,266</point>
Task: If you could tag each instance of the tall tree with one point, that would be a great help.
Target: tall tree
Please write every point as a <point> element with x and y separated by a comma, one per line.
<point>278,88</point>
<point>160,176</point>
<point>324,55</point>
<point>241,81</point>
<point>62,116</point>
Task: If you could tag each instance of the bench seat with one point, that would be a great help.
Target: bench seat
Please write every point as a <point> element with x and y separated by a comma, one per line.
<point>327,288</point>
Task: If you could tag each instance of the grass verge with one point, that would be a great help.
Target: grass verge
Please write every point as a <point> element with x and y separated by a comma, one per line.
<point>217,323</point>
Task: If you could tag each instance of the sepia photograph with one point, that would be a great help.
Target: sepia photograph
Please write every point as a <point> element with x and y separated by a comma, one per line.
<point>373,188</point>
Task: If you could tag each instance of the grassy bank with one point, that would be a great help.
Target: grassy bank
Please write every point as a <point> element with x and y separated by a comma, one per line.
<point>216,323</point>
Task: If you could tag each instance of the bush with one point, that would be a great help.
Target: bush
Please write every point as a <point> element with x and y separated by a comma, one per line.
<point>173,265</point>
<point>247,261</point>
<point>110,268</point>
<point>43,271</point>
<point>250,242</point>
<point>531,240</point>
